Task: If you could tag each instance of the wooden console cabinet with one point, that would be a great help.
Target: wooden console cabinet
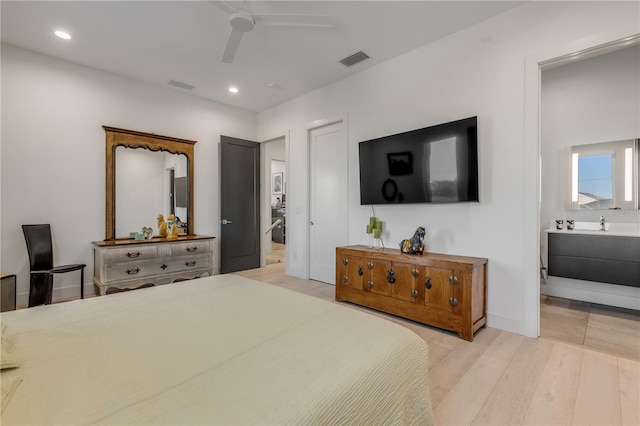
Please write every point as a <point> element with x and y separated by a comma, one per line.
<point>129,264</point>
<point>444,291</point>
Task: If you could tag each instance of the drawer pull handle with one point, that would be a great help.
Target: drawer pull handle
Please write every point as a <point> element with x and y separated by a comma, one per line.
<point>391,276</point>
<point>370,284</point>
<point>453,301</point>
<point>164,266</point>
<point>360,271</point>
<point>133,271</point>
<point>192,263</point>
<point>414,293</point>
<point>345,261</point>
<point>132,255</point>
<point>345,279</point>
<point>370,265</point>
<point>453,280</point>
<point>427,283</point>
<point>191,249</point>
<point>415,272</point>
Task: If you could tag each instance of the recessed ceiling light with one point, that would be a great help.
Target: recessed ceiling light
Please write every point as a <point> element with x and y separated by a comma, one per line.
<point>233,89</point>
<point>63,35</point>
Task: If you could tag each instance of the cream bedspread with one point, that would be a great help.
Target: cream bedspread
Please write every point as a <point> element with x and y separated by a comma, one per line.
<point>218,350</point>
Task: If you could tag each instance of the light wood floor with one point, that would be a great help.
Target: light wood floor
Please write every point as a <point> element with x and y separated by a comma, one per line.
<point>276,255</point>
<point>507,379</point>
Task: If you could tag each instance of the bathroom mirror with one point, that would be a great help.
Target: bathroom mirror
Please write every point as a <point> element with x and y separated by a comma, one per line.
<point>146,174</point>
<point>604,176</point>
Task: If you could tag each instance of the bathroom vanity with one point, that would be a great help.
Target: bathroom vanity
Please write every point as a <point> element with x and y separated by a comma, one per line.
<point>587,253</point>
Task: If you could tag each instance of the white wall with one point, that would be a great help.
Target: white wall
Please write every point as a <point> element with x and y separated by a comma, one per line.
<point>586,102</point>
<point>53,153</point>
<point>479,71</point>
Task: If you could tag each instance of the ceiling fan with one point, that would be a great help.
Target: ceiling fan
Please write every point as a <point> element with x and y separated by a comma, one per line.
<point>242,21</point>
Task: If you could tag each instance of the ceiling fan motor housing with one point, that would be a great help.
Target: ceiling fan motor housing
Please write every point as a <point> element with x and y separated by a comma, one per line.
<point>242,21</point>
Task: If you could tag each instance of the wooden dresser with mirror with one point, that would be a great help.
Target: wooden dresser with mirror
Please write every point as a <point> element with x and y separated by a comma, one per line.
<point>148,174</point>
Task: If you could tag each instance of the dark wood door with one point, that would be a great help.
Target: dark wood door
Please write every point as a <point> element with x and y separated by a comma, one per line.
<point>239,204</point>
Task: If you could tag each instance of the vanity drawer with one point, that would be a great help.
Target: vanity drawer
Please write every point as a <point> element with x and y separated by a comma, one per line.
<point>131,253</point>
<point>190,248</point>
<point>140,269</point>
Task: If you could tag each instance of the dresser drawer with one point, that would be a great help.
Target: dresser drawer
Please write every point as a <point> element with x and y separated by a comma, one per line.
<point>190,248</point>
<point>131,253</point>
<point>149,268</point>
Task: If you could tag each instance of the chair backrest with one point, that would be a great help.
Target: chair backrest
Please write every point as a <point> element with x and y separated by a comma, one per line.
<point>38,238</point>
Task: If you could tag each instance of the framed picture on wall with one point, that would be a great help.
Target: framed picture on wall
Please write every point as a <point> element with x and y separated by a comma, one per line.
<point>276,183</point>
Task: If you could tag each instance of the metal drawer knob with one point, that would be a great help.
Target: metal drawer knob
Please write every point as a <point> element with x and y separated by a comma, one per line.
<point>345,261</point>
<point>192,263</point>
<point>414,293</point>
<point>453,301</point>
<point>345,279</point>
<point>191,249</point>
<point>415,272</point>
<point>370,284</point>
<point>133,271</point>
<point>132,255</point>
<point>391,276</point>
<point>370,265</point>
<point>453,280</point>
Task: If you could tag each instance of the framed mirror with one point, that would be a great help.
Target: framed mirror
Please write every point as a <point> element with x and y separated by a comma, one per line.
<point>146,174</point>
<point>604,176</point>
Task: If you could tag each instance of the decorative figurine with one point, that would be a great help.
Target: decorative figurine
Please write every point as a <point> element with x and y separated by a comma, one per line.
<point>172,232</point>
<point>414,245</point>
<point>148,232</point>
<point>162,226</point>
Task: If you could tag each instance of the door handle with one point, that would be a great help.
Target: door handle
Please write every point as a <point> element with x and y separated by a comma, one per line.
<point>311,223</point>
<point>225,222</point>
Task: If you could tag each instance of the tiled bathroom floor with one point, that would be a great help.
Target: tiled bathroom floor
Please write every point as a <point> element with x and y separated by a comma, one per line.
<point>602,328</point>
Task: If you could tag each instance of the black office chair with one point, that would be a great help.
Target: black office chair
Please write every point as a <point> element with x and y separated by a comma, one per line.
<point>38,238</point>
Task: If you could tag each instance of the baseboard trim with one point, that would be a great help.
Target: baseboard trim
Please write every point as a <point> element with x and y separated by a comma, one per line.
<point>504,323</point>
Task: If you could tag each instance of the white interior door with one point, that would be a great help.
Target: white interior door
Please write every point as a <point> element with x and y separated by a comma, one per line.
<point>328,194</point>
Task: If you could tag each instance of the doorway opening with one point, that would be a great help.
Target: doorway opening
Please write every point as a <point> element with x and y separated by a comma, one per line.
<point>547,158</point>
<point>276,188</point>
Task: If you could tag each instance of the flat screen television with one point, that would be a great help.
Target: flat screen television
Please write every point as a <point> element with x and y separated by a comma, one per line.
<point>436,164</point>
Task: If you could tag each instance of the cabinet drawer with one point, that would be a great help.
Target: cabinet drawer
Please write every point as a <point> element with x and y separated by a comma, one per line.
<point>190,248</point>
<point>126,271</point>
<point>188,263</point>
<point>131,253</point>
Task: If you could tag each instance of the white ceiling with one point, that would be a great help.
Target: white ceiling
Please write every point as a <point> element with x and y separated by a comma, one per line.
<point>159,41</point>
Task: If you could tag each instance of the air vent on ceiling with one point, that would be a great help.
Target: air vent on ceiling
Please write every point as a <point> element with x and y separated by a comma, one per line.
<point>180,85</point>
<point>354,59</point>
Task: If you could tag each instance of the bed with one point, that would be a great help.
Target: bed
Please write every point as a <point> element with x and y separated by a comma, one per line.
<point>217,350</point>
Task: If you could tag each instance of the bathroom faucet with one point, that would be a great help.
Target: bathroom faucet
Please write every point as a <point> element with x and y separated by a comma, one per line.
<point>602,223</point>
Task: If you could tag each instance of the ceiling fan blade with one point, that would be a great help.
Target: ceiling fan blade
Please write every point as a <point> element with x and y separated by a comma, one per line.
<point>224,6</point>
<point>293,20</point>
<point>232,46</point>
